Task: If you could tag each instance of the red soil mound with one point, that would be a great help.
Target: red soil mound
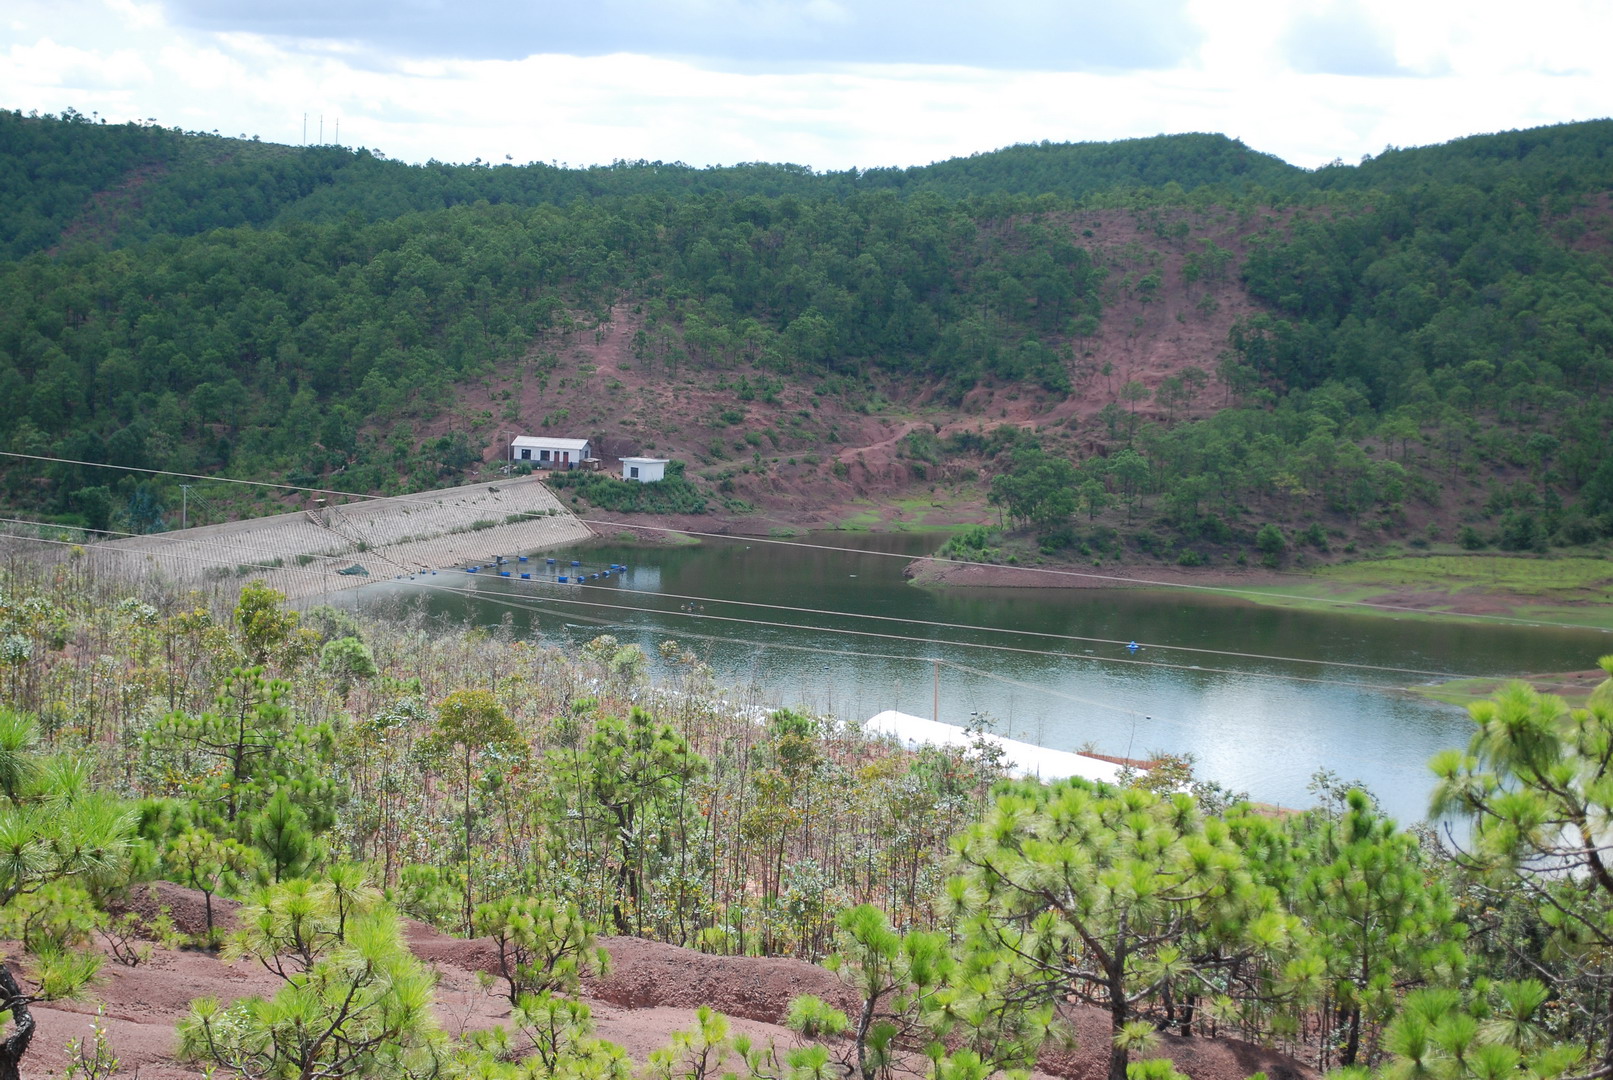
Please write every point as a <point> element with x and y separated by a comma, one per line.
<point>652,991</point>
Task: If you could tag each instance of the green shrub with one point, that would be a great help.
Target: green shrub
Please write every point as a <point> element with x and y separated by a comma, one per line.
<point>673,495</point>
<point>975,544</point>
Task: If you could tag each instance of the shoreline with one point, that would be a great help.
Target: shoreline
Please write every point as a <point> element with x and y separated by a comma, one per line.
<point>1573,591</point>
<point>1403,587</point>
<point>1574,687</point>
<point>929,570</point>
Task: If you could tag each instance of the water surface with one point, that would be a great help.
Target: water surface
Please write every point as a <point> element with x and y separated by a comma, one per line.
<point>1270,696</point>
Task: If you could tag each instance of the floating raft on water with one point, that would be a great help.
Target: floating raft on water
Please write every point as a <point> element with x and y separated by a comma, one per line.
<point>537,568</point>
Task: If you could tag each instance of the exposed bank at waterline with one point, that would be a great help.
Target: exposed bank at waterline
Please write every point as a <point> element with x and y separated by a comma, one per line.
<point>1263,697</point>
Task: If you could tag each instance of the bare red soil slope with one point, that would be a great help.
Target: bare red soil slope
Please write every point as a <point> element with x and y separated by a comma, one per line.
<point>825,453</point>
<point>652,991</point>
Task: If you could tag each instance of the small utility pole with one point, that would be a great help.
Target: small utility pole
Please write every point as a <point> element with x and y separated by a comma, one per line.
<point>184,505</point>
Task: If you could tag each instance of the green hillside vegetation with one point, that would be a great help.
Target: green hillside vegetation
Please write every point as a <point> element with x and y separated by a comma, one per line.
<point>335,773</point>
<point>305,352</point>
<point>1562,159</point>
<point>192,182</point>
<point>1430,320</point>
<point>672,495</point>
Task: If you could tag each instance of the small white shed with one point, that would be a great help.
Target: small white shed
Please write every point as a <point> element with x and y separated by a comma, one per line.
<point>546,453</point>
<point>644,469</point>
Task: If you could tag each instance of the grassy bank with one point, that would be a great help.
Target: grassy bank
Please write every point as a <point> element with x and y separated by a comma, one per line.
<point>932,511</point>
<point>1571,590</point>
<point>1573,687</point>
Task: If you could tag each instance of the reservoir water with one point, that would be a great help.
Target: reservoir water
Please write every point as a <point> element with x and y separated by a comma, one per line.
<point>1263,697</point>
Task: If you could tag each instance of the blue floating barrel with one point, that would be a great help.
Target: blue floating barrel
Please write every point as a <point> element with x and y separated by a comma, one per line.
<point>525,577</point>
<point>574,562</point>
<point>470,569</point>
<point>562,577</point>
<point>503,573</point>
<point>521,558</point>
<point>549,561</point>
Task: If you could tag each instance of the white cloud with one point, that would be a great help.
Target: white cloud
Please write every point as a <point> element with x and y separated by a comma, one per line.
<point>1024,34</point>
<point>1340,38</point>
<point>136,14</point>
<point>1473,72</point>
<point>47,63</point>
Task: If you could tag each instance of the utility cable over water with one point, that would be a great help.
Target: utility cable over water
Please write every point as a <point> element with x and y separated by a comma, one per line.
<point>1259,730</point>
<point>1112,579</point>
<point>716,639</point>
<point>777,625</point>
<point>692,600</point>
<point>1130,660</point>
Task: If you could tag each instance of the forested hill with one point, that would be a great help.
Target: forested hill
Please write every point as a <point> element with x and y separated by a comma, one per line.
<point>1564,159</point>
<point>1419,346</point>
<point>129,182</point>
<point>155,181</point>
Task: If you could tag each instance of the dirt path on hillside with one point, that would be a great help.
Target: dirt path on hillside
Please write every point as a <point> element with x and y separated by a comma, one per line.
<point>801,455</point>
<point>886,445</point>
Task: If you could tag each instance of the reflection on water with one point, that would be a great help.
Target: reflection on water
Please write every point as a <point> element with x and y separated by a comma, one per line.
<point>1238,686</point>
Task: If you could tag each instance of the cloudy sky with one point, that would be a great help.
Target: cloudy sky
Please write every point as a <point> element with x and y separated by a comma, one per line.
<point>825,83</point>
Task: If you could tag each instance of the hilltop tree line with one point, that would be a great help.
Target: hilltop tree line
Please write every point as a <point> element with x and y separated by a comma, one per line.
<point>335,772</point>
<point>191,182</point>
<point>184,183</point>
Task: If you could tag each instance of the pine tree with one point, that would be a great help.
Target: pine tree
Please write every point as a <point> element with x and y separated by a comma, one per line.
<point>357,1003</point>
<point>542,946</point>
<point>1095,890</point>
<point>53,826</point>
<point>1381,919</point>
<point>470,723</point>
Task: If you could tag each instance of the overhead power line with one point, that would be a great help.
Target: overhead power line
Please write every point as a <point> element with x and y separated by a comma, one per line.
<point>1108,579</point>
<point>975,628</point>
<point>1129,661</point>
<point>1053,572</point>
